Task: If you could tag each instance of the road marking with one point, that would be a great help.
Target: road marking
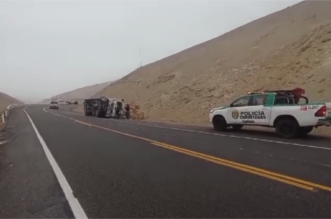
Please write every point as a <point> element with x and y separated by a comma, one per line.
<point>235,165</point>
<point>230,136</point>
<point>225,135</point>
<point>73,202</point>
<point>243,169</point>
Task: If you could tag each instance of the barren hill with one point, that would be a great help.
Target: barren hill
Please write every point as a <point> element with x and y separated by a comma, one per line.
<point>81,93</point>
<point>6,100</point>
<point>286,49</point>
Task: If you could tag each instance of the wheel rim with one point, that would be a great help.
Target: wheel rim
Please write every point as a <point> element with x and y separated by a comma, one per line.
<point>217,123</point>
<point>286,130</point>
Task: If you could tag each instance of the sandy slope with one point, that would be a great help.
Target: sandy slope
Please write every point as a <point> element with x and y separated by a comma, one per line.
<point>81,93</point>
<point>286,49</point>
<point>6,100</point>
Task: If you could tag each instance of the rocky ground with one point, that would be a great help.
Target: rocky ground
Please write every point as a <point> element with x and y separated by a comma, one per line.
<point>290,48</point>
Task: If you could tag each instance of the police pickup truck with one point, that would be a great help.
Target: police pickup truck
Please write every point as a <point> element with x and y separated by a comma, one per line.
<point>282,109</point>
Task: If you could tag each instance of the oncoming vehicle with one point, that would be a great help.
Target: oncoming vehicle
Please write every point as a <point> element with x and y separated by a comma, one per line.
<point>54,105</point>
<point>286,110</point>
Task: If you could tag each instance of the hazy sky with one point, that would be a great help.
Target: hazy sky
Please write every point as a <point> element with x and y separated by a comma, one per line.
<point>49,47</point>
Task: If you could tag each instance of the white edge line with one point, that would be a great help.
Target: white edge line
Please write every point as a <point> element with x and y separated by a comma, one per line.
<point>73,202</point>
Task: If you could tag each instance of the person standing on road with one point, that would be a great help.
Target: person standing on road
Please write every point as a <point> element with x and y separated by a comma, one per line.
<point>117,111</point>
<point>127,110</point>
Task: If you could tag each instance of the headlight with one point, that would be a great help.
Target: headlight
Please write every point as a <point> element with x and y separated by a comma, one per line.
<point>211,111</point>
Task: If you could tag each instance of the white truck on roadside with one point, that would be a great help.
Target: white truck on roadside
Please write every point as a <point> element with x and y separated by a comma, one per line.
<point>281,109</point>
<point>54,105</point>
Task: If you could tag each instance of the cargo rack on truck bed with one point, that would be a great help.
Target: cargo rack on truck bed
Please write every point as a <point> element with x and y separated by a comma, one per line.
<point>96,106</point>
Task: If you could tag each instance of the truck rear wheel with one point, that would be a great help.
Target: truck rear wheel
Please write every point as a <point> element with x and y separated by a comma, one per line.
<point>287,128</point>
<point>219,123</point>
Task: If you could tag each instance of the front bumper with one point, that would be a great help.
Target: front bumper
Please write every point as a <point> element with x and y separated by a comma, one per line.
<point>211,117</point>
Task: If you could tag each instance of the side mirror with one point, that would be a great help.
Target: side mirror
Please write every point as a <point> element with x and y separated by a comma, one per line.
<point>231,105</point>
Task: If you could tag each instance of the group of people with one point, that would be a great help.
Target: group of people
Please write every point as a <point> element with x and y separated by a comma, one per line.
<point>119,108</point>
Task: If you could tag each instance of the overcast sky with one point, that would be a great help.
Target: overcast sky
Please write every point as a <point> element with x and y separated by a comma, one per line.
<point>49,47</point>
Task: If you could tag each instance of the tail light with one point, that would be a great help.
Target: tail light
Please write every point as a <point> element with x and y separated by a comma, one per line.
<point>321,112</point>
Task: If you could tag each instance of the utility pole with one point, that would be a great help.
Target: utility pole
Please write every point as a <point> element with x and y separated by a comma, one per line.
<point>140,58</point>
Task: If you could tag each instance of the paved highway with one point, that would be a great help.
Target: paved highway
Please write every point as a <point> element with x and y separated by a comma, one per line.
<point>99,168</point>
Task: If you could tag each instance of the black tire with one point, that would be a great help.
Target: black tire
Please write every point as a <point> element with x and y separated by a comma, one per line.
<point>237,127</point>
<point>287,128</point>
<point>303,131</point>
<point>219,124</point>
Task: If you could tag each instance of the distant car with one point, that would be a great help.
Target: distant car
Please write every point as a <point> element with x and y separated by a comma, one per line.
<point>75,102</point>
<point>54,105</point>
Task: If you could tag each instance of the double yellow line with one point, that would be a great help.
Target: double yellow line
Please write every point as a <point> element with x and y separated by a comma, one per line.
<point>249,169</point>
<point>303,184</point>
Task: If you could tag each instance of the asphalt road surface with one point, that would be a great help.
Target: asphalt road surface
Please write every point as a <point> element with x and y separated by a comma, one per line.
<point>79,166</point>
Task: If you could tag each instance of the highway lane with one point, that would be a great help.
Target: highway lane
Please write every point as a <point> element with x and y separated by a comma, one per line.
<point>298,161</point>
<point>124,173</point>
<point>28,186</point>
<point>267,134</point>
<point>248,133</point>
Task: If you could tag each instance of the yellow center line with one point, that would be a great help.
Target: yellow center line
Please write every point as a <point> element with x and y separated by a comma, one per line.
<point>240,168</point>
<point>235,165</point>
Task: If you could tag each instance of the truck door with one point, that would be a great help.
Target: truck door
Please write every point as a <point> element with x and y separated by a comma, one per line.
<point>238,106</point>
<point>258,112</point>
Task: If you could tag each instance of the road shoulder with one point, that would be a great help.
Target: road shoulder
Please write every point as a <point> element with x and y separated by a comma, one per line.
<point>29,188</point>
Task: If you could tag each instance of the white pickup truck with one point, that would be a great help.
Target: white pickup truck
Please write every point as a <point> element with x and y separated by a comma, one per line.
<point>54,105</point>
<point>281,109</point>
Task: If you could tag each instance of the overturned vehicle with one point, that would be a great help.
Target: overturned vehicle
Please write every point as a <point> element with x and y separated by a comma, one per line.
<point>105,107</point>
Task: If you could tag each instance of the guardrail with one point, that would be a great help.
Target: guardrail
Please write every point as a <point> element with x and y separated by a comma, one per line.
<point>5,114</point>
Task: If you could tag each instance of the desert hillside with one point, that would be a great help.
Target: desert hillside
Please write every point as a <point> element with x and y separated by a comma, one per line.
<point>80,93</point>
<point>6,100</point>
<point>286,49</point>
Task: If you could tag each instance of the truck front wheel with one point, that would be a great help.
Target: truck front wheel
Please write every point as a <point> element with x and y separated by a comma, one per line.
<point>219,123</point>
<point>287,128</point>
